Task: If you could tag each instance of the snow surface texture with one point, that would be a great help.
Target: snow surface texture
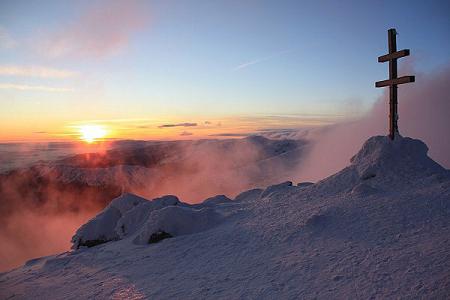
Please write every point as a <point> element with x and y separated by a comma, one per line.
<point>377,229</point>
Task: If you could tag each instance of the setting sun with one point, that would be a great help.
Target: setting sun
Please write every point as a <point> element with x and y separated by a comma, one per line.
<point>92,133</point>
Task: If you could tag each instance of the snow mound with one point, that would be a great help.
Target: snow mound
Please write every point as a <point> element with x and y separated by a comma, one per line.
<point>133,219</point>
<point>381,155</point>
<point>219,199</point>
<point>176,220</point>
<point>248,195</point>
<point>126,202</point>
<point>145,221</point>
<point>383,164</point>
<point>277,188</point>
<point>101,228</point>
<point>304,184</point>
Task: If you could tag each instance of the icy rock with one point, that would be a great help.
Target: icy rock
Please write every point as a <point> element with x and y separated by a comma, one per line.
<point>101,228</point>
<point>158,236</point>
<point>133,219</point>
<point>98,230</point>
<point>178,220</point>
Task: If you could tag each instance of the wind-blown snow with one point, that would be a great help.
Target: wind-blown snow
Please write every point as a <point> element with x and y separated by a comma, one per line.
<point>377,229</point>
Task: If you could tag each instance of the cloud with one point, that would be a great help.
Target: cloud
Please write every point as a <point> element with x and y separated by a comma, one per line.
<point>178,125</point>
<point>186,133</point>
<point>41,88</point>
<point>229,134</point>
<point>35,71</point>
<point>424,110</point>
<point>40,132</point>
<point>101,31</point>
<point>260,60</point>
<point>6,41</point>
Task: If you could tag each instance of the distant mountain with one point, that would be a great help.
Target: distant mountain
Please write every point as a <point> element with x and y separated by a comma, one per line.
<point>377,229</point>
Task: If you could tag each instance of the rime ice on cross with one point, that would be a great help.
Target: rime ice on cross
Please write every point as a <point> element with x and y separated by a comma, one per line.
<point>393,80</point>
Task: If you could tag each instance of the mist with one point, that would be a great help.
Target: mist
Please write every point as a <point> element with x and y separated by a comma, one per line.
<point>42,206</point>
<point>424,113</point>
<point>28,234</point>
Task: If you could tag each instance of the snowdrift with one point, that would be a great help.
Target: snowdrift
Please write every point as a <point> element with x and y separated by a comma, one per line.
<point>376,229</point>
<point>101,229</point>
<point>132,216</point>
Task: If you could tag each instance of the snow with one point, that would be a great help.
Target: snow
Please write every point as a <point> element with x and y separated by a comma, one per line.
<point>277,188</point>
<point>177,221</point>
<point>377,229</point>
<point>304,184</point>
<point>101,229</point>
<point>248,195</point>
<point>219,199</point>
<point>98,230</point>
<point>133,219</point>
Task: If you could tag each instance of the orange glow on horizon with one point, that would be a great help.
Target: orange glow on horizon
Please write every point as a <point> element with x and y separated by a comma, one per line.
<point>99,131</point>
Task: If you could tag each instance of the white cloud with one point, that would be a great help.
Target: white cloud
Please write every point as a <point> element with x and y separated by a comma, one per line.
<point>35,71</point>
<point>41,88</point>
<point>260,60</point>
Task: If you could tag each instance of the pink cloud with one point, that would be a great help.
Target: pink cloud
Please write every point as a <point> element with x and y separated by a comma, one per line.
<point>102,30</point>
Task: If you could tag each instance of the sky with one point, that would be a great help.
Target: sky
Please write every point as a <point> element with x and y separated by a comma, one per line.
<point>196,69</point>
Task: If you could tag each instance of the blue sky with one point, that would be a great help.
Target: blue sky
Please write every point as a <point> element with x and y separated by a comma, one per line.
<point>198,60</point>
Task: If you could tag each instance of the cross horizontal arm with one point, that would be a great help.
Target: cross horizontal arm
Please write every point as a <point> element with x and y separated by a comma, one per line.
<point>400,80</point>
<point>393,55</point>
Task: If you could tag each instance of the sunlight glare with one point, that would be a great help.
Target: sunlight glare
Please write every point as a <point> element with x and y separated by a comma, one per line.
<point>92,133</point>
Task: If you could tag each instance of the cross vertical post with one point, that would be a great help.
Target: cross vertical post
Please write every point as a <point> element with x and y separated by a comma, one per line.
<point>393,80</point>
<point>393,103</point>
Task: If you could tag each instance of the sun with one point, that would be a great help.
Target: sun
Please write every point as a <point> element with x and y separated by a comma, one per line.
<point>92,133</point>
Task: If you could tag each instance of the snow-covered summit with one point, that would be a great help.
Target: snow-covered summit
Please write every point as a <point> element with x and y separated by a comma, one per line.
<point>404,155</point>
<point>377,229</point>
<point>383,164</point>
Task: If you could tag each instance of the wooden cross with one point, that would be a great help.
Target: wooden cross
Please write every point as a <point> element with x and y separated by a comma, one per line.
<point>393,80</point>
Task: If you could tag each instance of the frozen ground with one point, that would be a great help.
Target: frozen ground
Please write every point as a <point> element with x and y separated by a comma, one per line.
<point>377,229</point>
